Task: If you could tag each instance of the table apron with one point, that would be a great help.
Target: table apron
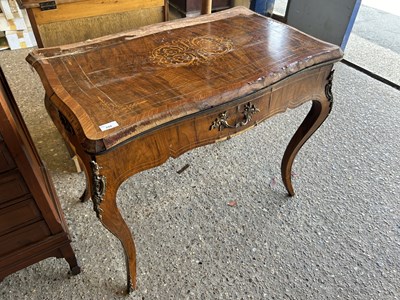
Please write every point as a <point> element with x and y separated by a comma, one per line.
<point>154,148</point>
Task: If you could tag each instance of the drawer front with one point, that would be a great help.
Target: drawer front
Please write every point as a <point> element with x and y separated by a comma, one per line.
<point>218,124</point>
<point>237,116</point>
<point>232,120</point>
<point>12,186</point>
<point>17,215</point>
<point>23,237</point>
<point>6,161</point>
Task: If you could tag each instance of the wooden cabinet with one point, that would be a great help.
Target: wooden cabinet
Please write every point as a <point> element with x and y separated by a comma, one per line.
<point>32,225</point>
<point>193,7</point>
<point>68,21</point>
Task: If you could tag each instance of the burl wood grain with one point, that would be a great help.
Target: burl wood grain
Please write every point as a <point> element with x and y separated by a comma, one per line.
<point>176,87</point>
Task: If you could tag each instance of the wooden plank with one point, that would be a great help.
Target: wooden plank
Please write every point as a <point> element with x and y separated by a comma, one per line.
<point>77,30</point>
<point>84,9</point>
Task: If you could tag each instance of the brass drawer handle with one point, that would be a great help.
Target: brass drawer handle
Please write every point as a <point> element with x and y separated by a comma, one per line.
<point>222,121</point>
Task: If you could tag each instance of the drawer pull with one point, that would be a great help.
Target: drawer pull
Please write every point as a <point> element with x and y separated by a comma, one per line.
<point>222,121</point>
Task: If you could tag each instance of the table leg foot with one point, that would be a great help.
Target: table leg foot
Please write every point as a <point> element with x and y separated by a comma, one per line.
<point>70,257</point>
<point>111,218</point>
<point>75,270</point>
<point>85,196</point>
<point>316,116</point>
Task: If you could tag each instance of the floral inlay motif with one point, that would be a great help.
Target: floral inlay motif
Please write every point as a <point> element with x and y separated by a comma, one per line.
<point>192,51</point>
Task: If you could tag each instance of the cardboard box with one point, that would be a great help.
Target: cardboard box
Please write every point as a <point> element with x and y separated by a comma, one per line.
<point>10,9</point>
<point>12,24</point>
<point>18,39</point>
<point>12,17</point>
<point>15,27</point>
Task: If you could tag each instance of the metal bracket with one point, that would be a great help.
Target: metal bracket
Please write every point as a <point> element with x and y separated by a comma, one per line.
<point>328,89</point>
<point>48,5</point>
<point>98,188</point>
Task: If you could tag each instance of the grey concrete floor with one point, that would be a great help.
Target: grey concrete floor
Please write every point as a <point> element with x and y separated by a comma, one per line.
<point>337,238</point>
<point>375,42</point>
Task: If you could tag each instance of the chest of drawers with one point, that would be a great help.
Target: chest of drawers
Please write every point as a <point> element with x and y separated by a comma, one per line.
<point>32,225</point>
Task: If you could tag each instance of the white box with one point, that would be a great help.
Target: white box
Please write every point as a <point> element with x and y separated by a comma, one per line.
<point>18,39</point>
<point>10,9</point>
<point>12,24</point>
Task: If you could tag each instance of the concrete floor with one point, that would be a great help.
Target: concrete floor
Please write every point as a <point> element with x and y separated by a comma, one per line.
<point>338,238</point>
<point>375,40</point>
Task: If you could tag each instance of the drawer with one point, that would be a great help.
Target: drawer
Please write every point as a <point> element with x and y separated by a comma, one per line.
<point>18,215</point>
<point>207,127</point>
<point>6,161</point>
<point>23,237</point>
<point>12,186</point>
<point>232,119</point>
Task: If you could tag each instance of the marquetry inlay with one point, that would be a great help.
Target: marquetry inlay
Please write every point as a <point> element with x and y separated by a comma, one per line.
<point>192,51</point>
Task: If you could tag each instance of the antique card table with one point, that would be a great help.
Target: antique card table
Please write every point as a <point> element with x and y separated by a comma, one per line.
<point>127,102</point>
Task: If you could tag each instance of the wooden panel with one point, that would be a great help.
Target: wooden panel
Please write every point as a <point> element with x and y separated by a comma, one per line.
<point>23,237</point>
<point>191,7</point>
<point>179,5</point>
<point>84,9</point>
<point>6,161</point>
<point>177,138</point>
<point>77,30</point>
<point>195,5</point>
<point>42,249</point>
<point>18,215</point>
<point>29,208</point>
<point>12,186</point>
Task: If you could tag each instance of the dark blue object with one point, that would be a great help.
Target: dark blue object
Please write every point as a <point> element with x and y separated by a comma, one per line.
<point>350,24</point>
<point>263,7</point>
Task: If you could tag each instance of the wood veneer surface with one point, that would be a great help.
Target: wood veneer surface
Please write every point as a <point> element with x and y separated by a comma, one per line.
<point>127,78</point>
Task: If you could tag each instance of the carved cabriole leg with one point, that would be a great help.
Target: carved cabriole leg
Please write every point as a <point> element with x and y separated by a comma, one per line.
<point>105,186</point>
<point>73,146</point>
<point>85,195</point>
<point>85,167</point>
<point>319,111</point>
<point>61,128</point>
